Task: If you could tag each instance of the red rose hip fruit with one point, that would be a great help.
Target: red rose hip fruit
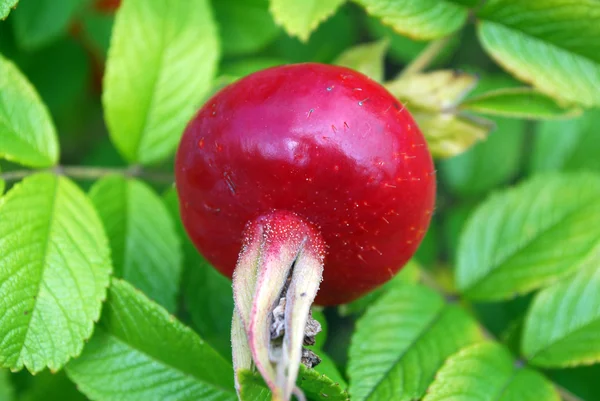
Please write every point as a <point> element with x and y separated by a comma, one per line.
<point>314,161</point>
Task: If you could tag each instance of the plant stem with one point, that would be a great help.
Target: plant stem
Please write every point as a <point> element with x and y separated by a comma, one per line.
<point>92,173</point>
<point>429,280</point>
<point>426,57</point>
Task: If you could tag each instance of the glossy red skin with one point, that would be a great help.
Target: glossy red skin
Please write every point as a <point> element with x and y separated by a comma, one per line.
<point>325,142</point>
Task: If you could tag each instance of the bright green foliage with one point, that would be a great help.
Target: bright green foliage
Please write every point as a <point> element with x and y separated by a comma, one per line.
<point>28,135</point>
<point>6,6</point>
<point>300,18</point>
<point>38,22</point>
<point>140,352</point>
<point>146,250</point>
<point>551,43</point>
<point>518,103</point>
<point>207,294</point>
<point>529,236</point>
<point>419,19</point>
<point>365,58</point>
<point>409,274</point>
<point>245,26</point>
<point>162,58</point>
<point>567,145</point>
<point>55,270</point>
<point>402,340</point>
<point>563,324</point>
<point>315,386</point>
<point>487,372</point>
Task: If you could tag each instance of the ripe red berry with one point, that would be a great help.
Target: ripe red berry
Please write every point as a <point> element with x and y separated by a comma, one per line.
<point>324,142</point>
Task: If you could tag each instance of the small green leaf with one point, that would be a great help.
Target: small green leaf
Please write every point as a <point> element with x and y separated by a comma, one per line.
<point>6,6</point>
<point>207,294</point>
<point>365,58</point>
<point>450,134</point>
<point>162,58</point>
<point>246,26</point>
<point>409,274</point>
<point>552,44</point>
<point>519,103</point>
<point>314,385</point>
<point>145,248</point>
<point>487,372</point>
<point>140,352</point>
<point>419,19</point>
<point>55,270</point>
<point>567,145</point>
<point>401,342</point>
<point>530,236</point>
<point>563,325</point>
<point>301,18</point>
<point>28,135</point>
<point>39,22</point>
<point>7,392</point>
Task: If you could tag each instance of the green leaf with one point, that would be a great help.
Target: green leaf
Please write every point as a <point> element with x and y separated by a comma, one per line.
<point>55,270</point>
<point>567,145</point>
<point>207,294</point>
<point>419,19</point>
<point>51,387</point>
<point>563,324</point>
<point>490,163</point>
<point>6,6</point>
<point>246,26</point>
<point>140,352</point>
<point>581,381</point>
<point>530,236</point>
<point>553,44</point>
<point>409,274</point>
<point>519,103</point>
<point>145,248</point>
<point>161,62</point>
<point>487,372</point>
<point>450,134</point>
<point>28,135</point>
<point>302,18</point>
<point>365,58</point>
<point>402,340</point>
<point>314,385</point>
<point>6,389</point>
<point>39,22</point>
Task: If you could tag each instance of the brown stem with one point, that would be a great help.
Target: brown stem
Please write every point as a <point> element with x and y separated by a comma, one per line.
<point>92,173</point>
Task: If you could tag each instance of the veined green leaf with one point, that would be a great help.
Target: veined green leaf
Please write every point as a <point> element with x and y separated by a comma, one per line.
<point>245,26</point>
<point>314,385</point>
<point>366,58</point>
<point>140,352</point>
<point>38,22</point>
<point>530,236</point>
<point>519,103</point>
<point>6,6</point>
<point>563,325</point>
<point>487,372</point>
<point>26,130</point>
<point>419,19</point>
<point>55,270</point>
<point>163,55</point>
<point>301,18</point>
<point>402,340</point>
<point>207,294</point>
<point>553,44</point>
<point>567,145</point>
<point>409,274</point>
<point>146,250</point>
